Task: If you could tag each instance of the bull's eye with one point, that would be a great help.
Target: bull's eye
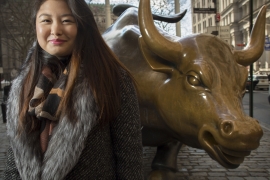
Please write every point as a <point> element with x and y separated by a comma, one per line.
<point>194,81</point>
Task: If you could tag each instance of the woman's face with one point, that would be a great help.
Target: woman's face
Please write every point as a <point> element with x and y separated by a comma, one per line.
<point>56,28</point>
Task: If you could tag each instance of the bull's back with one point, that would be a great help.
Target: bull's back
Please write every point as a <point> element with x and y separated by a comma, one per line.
<point>125,44</point>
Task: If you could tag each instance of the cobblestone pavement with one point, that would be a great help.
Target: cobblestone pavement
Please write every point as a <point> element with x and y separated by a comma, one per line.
<point>195,164</point>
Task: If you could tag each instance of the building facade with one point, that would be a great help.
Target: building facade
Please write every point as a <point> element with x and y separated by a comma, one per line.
<point>99,11</point>
<point>234,14</point>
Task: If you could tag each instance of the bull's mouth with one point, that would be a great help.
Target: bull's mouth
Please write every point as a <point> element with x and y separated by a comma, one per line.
<point>232,158</point>
<point>226,157</point>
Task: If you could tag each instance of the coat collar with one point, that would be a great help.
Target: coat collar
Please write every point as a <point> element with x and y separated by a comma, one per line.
<point>67,141</point>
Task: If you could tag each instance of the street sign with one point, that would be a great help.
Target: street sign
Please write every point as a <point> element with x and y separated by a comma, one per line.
<point>224,32</point>
<point>267,44</point>
<point>205,10</point>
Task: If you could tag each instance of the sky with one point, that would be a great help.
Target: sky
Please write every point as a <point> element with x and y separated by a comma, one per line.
<point>186,22</point>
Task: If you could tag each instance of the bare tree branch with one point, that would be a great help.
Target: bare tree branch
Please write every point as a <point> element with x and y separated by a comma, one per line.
<point>17,33</point>
<point>163,7</point>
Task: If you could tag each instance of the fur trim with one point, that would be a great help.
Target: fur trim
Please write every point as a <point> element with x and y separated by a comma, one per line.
<point>67,141</point>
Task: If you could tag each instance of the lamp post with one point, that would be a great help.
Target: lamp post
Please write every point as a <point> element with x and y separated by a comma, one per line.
<point>251,66</point>
<point>1,60</point>
<point>108,13</point>
<point>266,29</point>
<point>177,10</point>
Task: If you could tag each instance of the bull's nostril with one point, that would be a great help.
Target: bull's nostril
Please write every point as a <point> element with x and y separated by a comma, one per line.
<point>227,127</point>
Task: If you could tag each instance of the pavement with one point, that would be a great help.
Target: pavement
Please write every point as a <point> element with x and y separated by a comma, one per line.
<point>194,164</point>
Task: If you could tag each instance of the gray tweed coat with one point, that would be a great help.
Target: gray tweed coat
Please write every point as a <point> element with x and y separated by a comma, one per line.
<point>86,151</point>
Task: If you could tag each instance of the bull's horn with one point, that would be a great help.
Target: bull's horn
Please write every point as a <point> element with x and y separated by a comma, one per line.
<point>118,9</point>
<point>254,48</point>
<point>161,46</point>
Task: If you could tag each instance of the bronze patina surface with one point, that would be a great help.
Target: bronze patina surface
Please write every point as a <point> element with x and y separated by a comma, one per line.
<point>190,89</point>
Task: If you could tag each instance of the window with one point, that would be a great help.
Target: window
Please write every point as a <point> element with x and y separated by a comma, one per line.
<point>210,22</point>
<point>204,24</point>
<point>194,29</point>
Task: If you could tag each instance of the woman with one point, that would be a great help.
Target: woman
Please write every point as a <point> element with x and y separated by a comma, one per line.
<point>72,111</point>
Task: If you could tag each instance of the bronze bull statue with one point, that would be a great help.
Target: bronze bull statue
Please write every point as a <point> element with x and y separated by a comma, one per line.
<point>190,89</point>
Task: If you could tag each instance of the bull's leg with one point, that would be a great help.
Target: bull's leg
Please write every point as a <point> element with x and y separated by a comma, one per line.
<point>164,164</point>
<point>166,156</point>
<point>161,174</point>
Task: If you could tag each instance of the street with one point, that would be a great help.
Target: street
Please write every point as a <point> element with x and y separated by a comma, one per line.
<point>261,107</point>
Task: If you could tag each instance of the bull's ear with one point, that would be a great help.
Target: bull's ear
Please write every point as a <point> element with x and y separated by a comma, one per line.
<point>154,61</point>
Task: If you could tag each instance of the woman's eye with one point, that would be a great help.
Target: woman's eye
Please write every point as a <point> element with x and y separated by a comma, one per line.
<point>67,21</point>
<point>46,20</point>
<point>193,81</point>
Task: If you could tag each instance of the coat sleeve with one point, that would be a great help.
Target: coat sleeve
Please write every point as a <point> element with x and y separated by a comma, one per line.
<point>126,135</point>
<point>11,172</point>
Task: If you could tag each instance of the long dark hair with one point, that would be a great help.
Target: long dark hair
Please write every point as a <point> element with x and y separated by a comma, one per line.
<point>101,68</point>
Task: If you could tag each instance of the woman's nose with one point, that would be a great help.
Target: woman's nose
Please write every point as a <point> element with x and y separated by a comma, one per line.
<point>56,29</point>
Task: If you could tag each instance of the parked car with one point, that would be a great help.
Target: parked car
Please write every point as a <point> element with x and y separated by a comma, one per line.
<point>248,83</point>
<point>269,93</point>
<point>263,81</point>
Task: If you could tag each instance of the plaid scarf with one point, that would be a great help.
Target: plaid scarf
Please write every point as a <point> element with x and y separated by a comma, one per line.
<point>45,101</point>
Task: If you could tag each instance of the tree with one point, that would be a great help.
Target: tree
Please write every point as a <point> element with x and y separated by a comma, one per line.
<point>166,7</point>
<point>17,32</point>
<point>163,7</point>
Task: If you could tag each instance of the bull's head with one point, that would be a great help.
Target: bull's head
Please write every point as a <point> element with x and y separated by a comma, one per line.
<point>204,78</point>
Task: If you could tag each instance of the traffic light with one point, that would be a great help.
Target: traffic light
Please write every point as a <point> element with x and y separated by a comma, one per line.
<point>217,17</point>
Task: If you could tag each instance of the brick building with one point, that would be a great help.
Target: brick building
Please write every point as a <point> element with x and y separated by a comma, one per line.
<point>235,15</point>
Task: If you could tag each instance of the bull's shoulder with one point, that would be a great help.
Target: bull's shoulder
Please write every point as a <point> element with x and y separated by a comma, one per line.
<point>125,28</point>
<point>129,17</point>
<point>127,36</point>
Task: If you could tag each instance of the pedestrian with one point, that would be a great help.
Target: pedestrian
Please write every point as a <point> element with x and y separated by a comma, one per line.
<point>269,93</point>
<point>72,111</point>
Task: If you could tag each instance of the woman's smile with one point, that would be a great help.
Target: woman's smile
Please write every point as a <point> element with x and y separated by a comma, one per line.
<point>57,41</point>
